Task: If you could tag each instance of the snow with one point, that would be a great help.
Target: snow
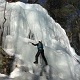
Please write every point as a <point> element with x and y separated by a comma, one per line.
<point>30,23</point>
<point>15,73</point>
<point>3,75</point>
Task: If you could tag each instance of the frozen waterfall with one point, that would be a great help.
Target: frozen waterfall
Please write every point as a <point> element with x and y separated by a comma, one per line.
<point>31,23</point>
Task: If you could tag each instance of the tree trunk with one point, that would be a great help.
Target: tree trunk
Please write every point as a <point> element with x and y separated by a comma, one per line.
<point>2,30</point>
<point>79,40</point>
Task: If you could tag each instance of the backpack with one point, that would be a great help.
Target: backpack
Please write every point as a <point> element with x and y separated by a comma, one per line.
<point>40,46</point>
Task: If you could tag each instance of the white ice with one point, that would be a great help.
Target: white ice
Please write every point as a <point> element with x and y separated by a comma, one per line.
<point>30,23</point>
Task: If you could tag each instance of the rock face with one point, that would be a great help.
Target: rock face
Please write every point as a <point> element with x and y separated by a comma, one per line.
<point>1,57</point>
<point>6,62</point>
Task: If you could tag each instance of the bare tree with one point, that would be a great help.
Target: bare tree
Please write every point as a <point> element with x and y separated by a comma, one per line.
<point>32,1</point>
<point>3,23</point>
<point>12,0</point>
<point>28,1</point>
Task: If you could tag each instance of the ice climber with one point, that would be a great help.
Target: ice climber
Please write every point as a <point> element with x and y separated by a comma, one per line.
<point>40,51</point>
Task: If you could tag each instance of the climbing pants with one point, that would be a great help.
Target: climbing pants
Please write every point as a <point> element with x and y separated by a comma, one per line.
<point>42,54</point>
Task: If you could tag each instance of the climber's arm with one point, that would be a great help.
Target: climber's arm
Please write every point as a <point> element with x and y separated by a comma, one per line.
<point>33,44</point>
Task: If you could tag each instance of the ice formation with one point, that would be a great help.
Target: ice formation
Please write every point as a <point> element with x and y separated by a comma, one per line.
<point>31,23</point>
